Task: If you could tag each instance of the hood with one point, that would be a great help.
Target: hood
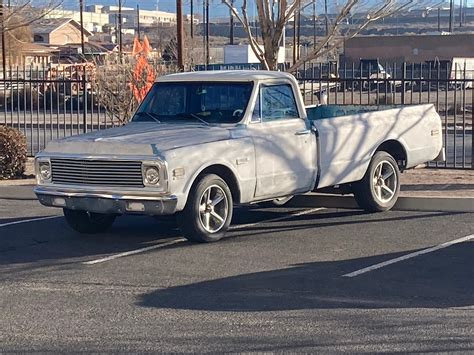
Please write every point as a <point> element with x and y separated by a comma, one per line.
<point>144,138</point>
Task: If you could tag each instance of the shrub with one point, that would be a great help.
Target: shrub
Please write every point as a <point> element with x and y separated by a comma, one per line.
<point>12,152</point>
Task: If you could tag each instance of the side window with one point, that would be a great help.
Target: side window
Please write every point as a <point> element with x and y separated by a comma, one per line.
<point>278,102</point>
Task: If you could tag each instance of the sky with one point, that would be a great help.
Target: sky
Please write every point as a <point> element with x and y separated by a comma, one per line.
<point>217,9</point>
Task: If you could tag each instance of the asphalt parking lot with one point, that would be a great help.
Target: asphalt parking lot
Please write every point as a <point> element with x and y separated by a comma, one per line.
<point>283,280</point>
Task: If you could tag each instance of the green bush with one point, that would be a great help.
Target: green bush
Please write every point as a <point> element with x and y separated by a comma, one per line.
<point>12,153</point>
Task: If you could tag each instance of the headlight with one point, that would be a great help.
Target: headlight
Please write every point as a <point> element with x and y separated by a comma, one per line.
<point>152,175</point>
<point>43,171</point>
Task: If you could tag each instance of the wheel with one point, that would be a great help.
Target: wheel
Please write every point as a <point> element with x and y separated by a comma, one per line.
<point>379,188</point>
<point>278,202</point>
<point>88,222</point>
<point>208,211</point>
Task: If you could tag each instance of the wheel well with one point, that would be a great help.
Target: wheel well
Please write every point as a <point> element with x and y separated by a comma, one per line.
<point>396,150</point>
<point>227,175</point>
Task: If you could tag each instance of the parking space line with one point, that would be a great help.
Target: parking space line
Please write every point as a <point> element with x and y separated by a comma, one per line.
<point>277,219</point>
<point>27,220</point>
<point>180,240</point>
<point>409,256</point>
<point>132,252</point>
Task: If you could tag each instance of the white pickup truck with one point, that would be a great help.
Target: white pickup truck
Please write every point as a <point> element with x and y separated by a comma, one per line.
<point>201,142</point>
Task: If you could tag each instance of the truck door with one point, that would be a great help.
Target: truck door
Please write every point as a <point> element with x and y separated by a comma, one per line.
<point>285,146</point>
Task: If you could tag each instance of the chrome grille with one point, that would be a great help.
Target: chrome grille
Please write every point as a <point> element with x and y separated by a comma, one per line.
<point>97,172</point>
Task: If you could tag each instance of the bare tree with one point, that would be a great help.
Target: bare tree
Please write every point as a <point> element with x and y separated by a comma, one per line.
<point>273,16</point>
<point>22,13</point>
<point>116,85</point>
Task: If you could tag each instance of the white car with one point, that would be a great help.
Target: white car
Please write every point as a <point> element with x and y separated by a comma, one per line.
<point>201,142</point>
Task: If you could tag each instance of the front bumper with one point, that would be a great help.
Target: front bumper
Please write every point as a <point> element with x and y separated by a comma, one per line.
<point>106,202</point>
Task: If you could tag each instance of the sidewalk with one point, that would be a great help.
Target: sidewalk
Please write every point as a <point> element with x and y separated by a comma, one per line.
<point>437,183</point>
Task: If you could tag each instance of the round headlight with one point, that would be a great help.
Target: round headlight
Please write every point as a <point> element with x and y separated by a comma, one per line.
<point>45,171</point>
<point>152,175</point>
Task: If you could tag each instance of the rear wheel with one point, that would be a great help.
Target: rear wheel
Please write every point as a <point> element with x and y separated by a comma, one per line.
<point>379,188</point>
<point>88,222</point>
<point>208,211</point>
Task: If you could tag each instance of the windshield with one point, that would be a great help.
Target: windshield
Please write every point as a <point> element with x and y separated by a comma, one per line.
<point>202,102</point>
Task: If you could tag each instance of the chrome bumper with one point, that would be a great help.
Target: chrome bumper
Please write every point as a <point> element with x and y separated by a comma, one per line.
<point>106,202</point>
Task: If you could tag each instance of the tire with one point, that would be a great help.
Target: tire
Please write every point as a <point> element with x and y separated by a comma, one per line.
<point>198,221</point>
<point>376,193</point>
<point>278,202</point>
<point>88,222</point>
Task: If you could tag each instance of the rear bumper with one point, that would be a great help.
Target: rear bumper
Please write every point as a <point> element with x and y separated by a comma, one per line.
<point>106,202</point>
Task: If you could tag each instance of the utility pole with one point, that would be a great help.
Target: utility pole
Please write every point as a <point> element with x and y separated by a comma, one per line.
<point>460,12</point>
<point>2,28</point>
<point>180,32</point>
<point>192,19</point>
<point>138,22</point>
<point>314,24</point>
<point>451,15</point>
<point>120,29</point>
<point>326,16</point>
<point>81,19</point>
<point>439,19</point>
<point>207,33</point>
<point>231,24</point>
<point>298,54</point>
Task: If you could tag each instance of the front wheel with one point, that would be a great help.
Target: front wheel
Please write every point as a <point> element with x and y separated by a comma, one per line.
<point>208,211</point>
<point>88,222</point>
<point>379,188</point>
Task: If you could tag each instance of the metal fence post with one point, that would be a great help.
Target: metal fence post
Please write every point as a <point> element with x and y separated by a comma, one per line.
<point>404,75</point>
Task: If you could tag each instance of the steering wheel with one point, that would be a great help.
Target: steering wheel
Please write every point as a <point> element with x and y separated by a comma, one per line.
<point>237,113</point>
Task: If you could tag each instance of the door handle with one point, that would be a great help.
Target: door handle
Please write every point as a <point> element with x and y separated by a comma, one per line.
<point>303,132</point>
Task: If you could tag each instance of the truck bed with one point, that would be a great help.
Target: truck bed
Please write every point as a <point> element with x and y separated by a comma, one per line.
<point>349,135</point>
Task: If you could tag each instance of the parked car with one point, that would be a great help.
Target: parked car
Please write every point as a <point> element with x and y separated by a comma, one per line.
<point>202,142</point>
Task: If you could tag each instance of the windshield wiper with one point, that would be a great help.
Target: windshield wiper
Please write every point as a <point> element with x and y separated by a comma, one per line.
<point>188,115</point>
<point>149,114</point>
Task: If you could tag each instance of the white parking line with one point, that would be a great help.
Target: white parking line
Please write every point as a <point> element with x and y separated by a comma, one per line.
<point>408,256</point>
<point>291,215</point>
<point>137,251</point>
<point>180,240</point>
<point>27,220</point>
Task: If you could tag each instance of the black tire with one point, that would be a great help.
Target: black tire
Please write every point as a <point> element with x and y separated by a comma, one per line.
<point>192,220</point>
<point>88,222</point>
<point>278,202</point>
<point>370,193</point>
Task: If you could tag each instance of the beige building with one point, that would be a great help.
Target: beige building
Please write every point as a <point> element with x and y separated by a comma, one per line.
<point>94,20</point>
<point>410,49</point>
<point>58,32</point>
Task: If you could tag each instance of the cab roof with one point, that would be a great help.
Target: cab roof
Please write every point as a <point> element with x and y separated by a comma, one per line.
<point>226,75</point>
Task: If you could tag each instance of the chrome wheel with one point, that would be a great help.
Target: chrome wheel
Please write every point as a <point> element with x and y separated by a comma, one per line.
<point>384,181</point>
<point>213,208</point>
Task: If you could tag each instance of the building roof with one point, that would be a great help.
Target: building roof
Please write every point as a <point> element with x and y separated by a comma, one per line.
<point>226,75</point>
<point>36,49</point>
<point>49,25</point>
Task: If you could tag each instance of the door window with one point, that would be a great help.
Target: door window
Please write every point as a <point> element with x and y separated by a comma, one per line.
<point>277,102</point>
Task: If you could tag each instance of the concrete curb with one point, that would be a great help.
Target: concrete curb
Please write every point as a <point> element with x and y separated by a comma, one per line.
<point>17,192</point>
<point>404,203</point>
